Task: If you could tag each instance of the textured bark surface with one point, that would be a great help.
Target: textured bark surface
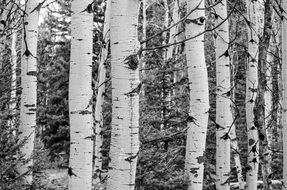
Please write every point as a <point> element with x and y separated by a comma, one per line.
<point>13,96</point>
<point>100,97</point>
<point>284,101</point>
<point>29,87</point>
<point>253,16</point>
<point>199,99</point>
<point>80,95</point>
<point>261,103</point>
<point>125,95</point>
<point>223,103</point>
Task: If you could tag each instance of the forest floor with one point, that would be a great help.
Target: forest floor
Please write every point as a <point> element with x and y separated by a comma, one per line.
<point>54,179</point>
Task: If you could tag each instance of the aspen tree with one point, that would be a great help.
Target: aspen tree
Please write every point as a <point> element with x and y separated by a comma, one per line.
<point>223,103</point>
<point>269,99</point>
<point>29,88</point>
<point>4,15</point>
<point>199,99</point>
<point>284,101</point>
<point>80,96</point>
<point>172,51</point>
<point>13,96</point>
<point>124,146</point>
<point>173,30</point>
<point>264,31</point>
<point>144,33</point>
<point>233,137</point>
<point>100,96</point>
<point>251,92</point>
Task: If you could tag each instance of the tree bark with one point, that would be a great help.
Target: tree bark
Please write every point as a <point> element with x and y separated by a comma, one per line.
<point>261,103</point>
<point>223,96</point>
<point>100,97</point>
<point>80,96</point>
<point>125,95</point>
<point>284,101</point>
<point>253,16</point>
<point>199,98</point>
<point>29,88</point>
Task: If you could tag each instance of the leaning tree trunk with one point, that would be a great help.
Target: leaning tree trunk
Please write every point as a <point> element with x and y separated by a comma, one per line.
<point>29,88</point>
<point>80,96</point>
<point>100,97</point>
<point>223,102</point>
<point>284,102</point>
<point>251,93</point>
<point>125,95</point>
<point>199,99</point>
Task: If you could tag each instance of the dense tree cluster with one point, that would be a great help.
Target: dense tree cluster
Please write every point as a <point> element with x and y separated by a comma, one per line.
<point>146,95</point>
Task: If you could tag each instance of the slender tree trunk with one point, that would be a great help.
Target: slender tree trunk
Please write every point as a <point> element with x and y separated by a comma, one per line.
<point>80,96</point>
<point>234,146</point>
<point>284,101</point>
<point>142,60</point>
<point>29,88</point>
<point>4,30</point>
<point>233,136</point>
<point>265,10</point>
<point>251,93</point>
<point>125,95</point>
<point>100,96</point>
<point>199,98</point>
<point>14,58</point>
<point>223,103</point>
<point>172,50</point>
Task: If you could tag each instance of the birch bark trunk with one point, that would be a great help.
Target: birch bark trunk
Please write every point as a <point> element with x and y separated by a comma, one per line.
<point>233,136</point>
<point>251,93</point>
<point>4,28</point>
<point>125,95</point>
<point>80,95</point>
<point>100,96</point>
<point>13,96</point>
<point>284,101</point>
<point>223,103</point>
<point>199,97</point>
<point>28,102</point>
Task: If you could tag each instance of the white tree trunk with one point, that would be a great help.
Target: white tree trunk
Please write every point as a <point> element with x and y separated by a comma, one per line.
<point>284,101</point>
<point>29,87</point>
<point>234,146</point>
<point>233,137</point>
<point>173,30</point>
<point>251,92</point>
<point>199,97</point>
<point>4,29</point>
<point>125,98</point>
<point>14,58</point>
<point>223,103</point>
<point>80,95</point>
<point>268,97</point>
<point>100,96</point>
